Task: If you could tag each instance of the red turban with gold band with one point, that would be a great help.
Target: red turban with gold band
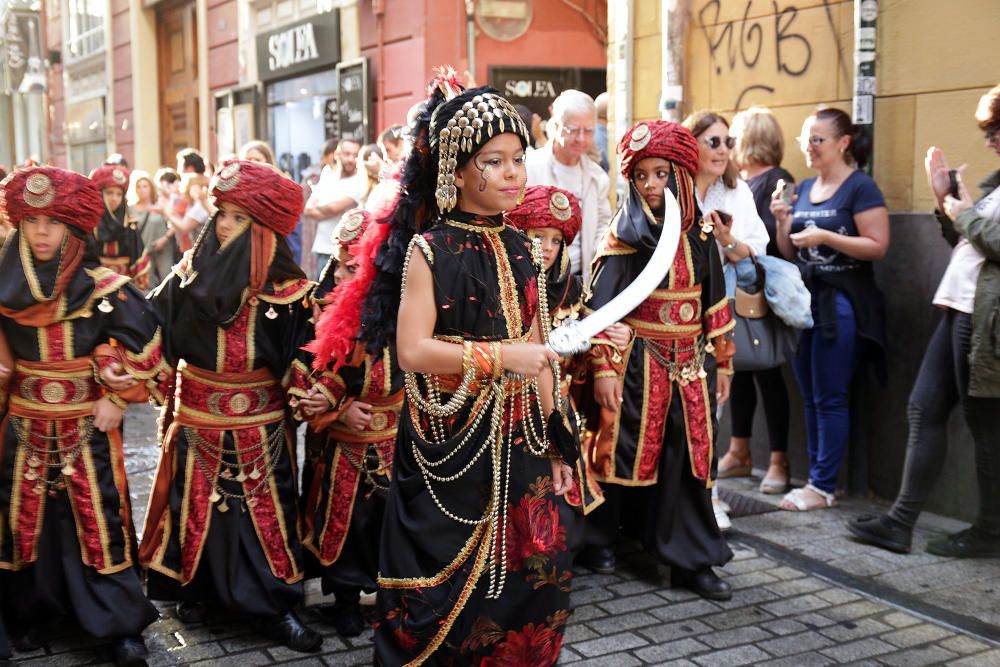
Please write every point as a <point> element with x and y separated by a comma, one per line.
<point>548,206</point>
<point>110,176</point>
<point>351,229</point>
<point>66,196</point>
<point>262,191</point>
<point>658,138</point>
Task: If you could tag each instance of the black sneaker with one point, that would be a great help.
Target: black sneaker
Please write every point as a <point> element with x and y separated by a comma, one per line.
<point>705,583</point>
<point>969,543</point>
<point>881,531</point>
<point>599,559</point>
<point>346,618</point>
<point>130,652</point>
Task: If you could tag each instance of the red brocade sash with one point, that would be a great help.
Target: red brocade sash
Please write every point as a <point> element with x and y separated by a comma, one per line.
<point>50,409</point>
<point>208,405</point>
<point>672,323</point>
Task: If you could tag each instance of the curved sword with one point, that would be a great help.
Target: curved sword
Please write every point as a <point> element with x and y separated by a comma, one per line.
<point>573,337</point>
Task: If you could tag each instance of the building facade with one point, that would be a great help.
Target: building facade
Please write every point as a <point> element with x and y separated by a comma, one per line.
<point>22,82</point>
<point>132,77</point>
<point>147,78</point>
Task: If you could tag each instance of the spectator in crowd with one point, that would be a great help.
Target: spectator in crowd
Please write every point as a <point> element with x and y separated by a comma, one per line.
<point>564,163</point>
<point>835,229</point>
<point>959,366</point>
<point>341,187</point>
<point>528,117</point>
<point>261,151</point>
<point>196,212</point>
<point>758,152</point>
<point>3,171</point>
<point>726,201</point>
<point>601,129</point>
<point>189,161</point>
<point>374,166</point>
<point>390,143</point>
<point>157,235</point>
<point>117,159</point>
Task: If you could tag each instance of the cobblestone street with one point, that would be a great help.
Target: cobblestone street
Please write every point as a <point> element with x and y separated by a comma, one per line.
<point>804,595</point>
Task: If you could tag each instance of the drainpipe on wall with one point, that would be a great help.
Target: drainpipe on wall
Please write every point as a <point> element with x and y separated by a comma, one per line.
<point>673,23</point>
<point>621,58</point>
<point>378,8</point>
<point>865,17</point>
<point>470,35</point>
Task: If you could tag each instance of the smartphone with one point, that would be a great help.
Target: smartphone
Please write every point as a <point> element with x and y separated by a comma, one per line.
<point>787,191</point>
<point>953,183</point>
<point>727,219</point>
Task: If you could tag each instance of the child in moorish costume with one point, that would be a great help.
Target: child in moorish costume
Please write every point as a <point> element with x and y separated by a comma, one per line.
<point>473,558</point>
<point>355,409</point>
<point>118,235</point>
<point>222,524</point>
<point>76,329</point>
<point>552,215</point>
<point>654,447</point>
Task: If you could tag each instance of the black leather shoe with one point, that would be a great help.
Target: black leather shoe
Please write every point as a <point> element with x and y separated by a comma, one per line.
<point>291,632</point>
<point>346,618</point>
<point>130,652</point>
<point>969,543</point>
<point>599,559</point>
<point>704,582</point>
<point>27,642</point>
<point>189,613</point>
<point>881,531</point>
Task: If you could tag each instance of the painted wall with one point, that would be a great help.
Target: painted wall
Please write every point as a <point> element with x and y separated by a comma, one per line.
<point>422,34</point>
<point>791,55</point>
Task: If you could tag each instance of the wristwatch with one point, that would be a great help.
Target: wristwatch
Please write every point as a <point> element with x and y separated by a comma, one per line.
<point>729,247</point>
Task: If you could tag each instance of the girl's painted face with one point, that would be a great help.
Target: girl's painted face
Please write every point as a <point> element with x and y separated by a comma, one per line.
<point>493,179</point>
<point>651,175</point>
<point>552,242</point>
<point>144,190</point>
<point>230,221</point>
<point>714,146</point>
<point>44,235</point>
<point>113,198</point>
<point>346,268</point>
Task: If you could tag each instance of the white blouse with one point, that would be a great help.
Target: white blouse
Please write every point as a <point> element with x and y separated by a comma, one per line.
<point>737,202</point>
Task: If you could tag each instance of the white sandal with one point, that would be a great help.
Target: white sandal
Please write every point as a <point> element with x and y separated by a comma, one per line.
<point>796,499</point>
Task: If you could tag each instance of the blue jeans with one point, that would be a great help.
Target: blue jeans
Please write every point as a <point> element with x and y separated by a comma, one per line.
<point>824,370</point>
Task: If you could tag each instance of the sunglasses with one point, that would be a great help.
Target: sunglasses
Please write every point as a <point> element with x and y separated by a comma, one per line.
<point>715,142</point>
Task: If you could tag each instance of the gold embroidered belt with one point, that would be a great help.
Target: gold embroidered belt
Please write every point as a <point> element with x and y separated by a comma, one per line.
<point>383,424</point>
<point>668,314</point>
<point>54,390</point>
<point>206,399</point>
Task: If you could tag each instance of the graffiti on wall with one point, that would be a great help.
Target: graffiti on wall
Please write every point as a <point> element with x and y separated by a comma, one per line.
<point>765,48</point>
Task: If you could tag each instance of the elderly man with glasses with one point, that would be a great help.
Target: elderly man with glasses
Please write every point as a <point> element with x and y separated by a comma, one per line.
<point>564,162</point>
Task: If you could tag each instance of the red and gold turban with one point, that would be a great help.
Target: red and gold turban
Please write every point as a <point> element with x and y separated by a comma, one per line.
<point>351,228</point>
<point>659,138</point>
<point>110,176</point>
<point>548,206</point>
<point>66,196</point>
<point>262,191</point>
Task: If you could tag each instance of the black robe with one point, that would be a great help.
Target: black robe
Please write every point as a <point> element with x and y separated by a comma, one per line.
<point>238,340</point>
<point>67,542</point>
<point>433,599</point>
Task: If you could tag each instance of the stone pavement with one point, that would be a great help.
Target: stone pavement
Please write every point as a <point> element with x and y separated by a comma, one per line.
<point>804,595</point>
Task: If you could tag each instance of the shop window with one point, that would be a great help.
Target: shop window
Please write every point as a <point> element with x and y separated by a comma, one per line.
<point>85,27</point>
<point>298,117</point>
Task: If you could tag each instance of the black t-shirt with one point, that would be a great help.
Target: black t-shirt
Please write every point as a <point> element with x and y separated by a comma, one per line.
<point>762,186</point>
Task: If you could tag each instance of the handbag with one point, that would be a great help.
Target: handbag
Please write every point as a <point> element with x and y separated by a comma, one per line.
<point>762,340</point>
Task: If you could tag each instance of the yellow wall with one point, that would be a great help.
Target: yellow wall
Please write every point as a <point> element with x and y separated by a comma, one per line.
<point>932,67</point>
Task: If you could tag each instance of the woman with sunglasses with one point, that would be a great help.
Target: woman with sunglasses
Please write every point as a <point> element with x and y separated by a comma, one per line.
<point>726,201</point>
<point>960,365</point>
<point>835,228</point>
